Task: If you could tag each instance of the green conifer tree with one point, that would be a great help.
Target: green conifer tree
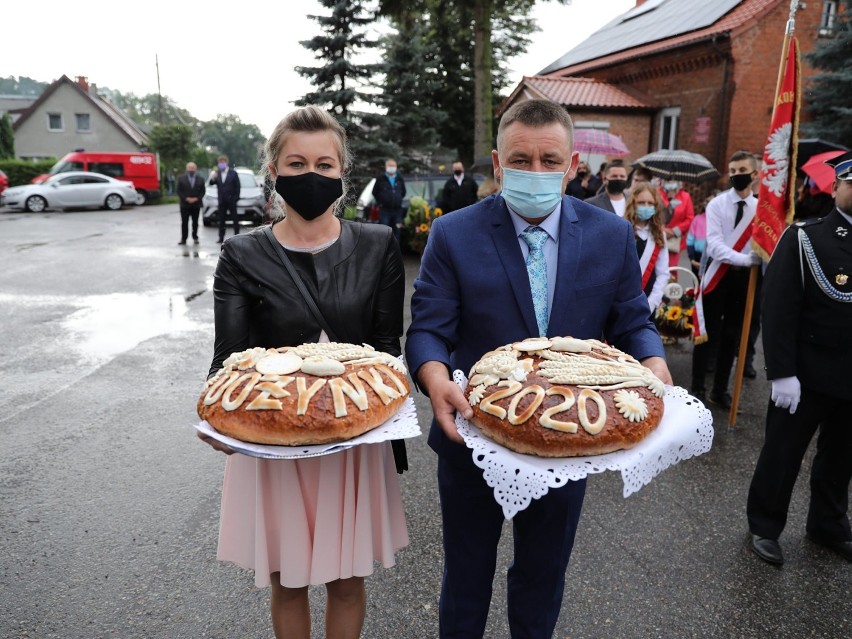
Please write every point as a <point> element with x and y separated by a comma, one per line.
<point>828,96</point>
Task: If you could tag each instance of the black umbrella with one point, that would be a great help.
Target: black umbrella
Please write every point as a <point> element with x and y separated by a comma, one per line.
<point>677,164</point>
<point>809,147</point>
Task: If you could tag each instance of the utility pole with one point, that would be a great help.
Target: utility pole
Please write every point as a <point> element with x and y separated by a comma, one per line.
<point>159,94</point>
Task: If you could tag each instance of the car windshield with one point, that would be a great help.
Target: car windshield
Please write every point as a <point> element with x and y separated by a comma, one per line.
<point>247,180</point>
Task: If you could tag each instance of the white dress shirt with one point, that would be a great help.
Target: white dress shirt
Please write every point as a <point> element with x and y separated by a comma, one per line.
<point>661,268</point>
<point>721,214</point>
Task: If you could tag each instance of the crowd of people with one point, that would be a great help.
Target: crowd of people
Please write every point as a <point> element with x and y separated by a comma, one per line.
<point>344,281</point>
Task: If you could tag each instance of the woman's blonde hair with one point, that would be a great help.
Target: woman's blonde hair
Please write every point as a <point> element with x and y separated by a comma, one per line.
<point>308,119</point>
<point>655,224</point>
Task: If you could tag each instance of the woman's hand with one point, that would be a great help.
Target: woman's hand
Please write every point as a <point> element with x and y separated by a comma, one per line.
<point>215,443</point>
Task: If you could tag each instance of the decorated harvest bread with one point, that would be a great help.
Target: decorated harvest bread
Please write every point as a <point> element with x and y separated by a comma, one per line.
<point>310,394</point>
<point>564,397</point>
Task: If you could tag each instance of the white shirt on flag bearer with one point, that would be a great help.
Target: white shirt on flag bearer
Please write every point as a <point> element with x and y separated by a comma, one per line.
<point>721,231</point>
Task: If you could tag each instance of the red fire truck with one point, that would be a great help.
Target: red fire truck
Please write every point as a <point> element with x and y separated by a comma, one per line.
<point>139,168</point>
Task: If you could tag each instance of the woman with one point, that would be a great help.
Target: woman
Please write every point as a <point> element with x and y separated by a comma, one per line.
<point>644,210</point>
<point>674,196</point>
<point>322,519</point>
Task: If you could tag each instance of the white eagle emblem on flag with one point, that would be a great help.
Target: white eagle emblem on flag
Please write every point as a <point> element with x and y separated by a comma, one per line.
<point>777,159</point>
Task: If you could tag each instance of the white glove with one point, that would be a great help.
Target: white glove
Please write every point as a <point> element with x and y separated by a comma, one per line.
<point>786,393</point>
<point>756,260</point>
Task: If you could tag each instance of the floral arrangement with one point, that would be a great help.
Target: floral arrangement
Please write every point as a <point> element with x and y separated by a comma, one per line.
<point>418,222</point>
<point>675,313</point>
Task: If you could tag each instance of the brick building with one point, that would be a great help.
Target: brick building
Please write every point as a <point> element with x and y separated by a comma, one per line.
<point>684,74</point>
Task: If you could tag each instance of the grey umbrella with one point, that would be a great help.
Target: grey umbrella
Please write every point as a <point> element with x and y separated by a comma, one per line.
<point>677,164</point>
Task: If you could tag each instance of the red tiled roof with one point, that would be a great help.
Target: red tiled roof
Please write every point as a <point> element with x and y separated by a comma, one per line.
<point>583,92</point>
<point>743,15</point>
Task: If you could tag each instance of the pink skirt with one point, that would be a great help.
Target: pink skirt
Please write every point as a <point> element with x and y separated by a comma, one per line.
<point>313,520</point>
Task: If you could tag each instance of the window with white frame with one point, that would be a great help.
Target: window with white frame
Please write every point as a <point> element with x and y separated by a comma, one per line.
<point>669,120</point>
<point>828,17</point>
<point>83,122</point>
<point>54,122</point>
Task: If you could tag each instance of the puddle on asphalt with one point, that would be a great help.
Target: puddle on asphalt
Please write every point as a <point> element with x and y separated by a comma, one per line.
<point>108,325</point>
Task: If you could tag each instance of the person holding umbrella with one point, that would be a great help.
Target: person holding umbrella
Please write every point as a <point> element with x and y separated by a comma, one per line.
<point>809,291</point>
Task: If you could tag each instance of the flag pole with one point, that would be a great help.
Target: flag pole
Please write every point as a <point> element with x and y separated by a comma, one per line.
<point>753,272</point>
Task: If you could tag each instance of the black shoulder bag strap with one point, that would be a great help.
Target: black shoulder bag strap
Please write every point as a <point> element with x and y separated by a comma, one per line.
<point>400,456</point>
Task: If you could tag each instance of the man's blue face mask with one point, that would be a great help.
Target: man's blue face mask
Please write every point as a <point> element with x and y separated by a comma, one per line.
<point>532,194</point>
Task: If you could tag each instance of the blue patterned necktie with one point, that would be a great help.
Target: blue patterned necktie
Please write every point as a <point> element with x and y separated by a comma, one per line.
<point>535,238</point>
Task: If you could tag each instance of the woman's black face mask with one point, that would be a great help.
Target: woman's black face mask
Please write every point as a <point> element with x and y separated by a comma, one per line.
<point>309,194</point>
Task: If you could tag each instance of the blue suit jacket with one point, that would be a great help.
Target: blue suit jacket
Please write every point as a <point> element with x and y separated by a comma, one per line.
<point>473,293</point>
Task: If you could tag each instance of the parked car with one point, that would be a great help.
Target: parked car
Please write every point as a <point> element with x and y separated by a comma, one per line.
<point>429,187</point>
<point>4,182</point>
<point>139,168</point>
<point>250,207</point>
<point>76,189</point>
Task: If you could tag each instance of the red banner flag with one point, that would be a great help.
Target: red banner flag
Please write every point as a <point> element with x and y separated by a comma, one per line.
<point>778,175</point>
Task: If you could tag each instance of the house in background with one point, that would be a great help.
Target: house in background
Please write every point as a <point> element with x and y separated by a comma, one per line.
<point>687,74</point>
<point>71,115</point>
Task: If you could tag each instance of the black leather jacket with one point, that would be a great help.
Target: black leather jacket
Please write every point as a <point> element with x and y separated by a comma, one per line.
<point>358,284</point>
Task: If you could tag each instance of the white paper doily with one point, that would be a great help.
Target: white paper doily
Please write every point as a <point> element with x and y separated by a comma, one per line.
<point>402,425</point>
<point>685,431</point>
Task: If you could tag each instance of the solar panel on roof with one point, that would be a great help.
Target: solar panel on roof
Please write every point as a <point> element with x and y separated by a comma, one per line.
<point>661,20</point>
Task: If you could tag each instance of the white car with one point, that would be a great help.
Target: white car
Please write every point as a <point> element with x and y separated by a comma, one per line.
<point>251,207</point>
<point>75,189</point>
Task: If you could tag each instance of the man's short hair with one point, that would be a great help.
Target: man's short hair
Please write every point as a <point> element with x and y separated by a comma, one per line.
<point>536,113</point>
<point>739,156</point>
<point>612,164</point>
<point>222,158</point>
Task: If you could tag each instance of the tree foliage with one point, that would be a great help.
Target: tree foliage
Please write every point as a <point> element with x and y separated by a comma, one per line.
<point>174,142</point>
<point>7,138</point>
<point>829,94</point>
<point>22,85</point>
<point>229,135</point>
<point>339,83</point>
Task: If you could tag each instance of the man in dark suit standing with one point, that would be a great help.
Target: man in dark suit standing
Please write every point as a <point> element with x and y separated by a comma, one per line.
<point>615,183</point>
<point>227,184</point>
<point>807,312</point>
<point>459,191</point>
<point>481,285</point>
<point>190,190</point>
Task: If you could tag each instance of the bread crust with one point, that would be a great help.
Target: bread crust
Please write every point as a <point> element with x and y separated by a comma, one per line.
<point>583,421</point>
<point>298,408</point>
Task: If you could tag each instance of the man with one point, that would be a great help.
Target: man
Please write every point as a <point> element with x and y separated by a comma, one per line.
<point>615,182</point>
<point>459,191</point>
<point>474,294</point>
<point>228,189</point>
<point>389,191</point>
<point>585,185</point>
<point>190,190</point>
<point>724,286</point>
<point>807,295</point>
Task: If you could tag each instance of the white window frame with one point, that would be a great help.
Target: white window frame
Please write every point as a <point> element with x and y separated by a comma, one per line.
<point>828,17</point>
<point>61,122</point>
<point>88,118</point>
<point>672,115</point>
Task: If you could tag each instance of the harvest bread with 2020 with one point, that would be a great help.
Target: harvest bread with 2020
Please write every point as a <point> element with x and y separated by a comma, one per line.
<point>564,397</point>
<point>314,393</point>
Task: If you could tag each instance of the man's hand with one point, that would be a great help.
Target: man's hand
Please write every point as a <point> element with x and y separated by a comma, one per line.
<point>786,393</point>
<point>446,396</point>
<point>658,366</point>
<point>214,443</point>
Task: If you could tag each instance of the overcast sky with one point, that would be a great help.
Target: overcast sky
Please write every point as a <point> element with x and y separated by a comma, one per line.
<point>219,57</point>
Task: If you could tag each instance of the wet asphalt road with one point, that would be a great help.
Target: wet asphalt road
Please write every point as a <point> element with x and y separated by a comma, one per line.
<point>109,504</point>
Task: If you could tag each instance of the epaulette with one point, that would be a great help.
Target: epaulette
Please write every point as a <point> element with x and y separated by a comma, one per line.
<point>809,221</point>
